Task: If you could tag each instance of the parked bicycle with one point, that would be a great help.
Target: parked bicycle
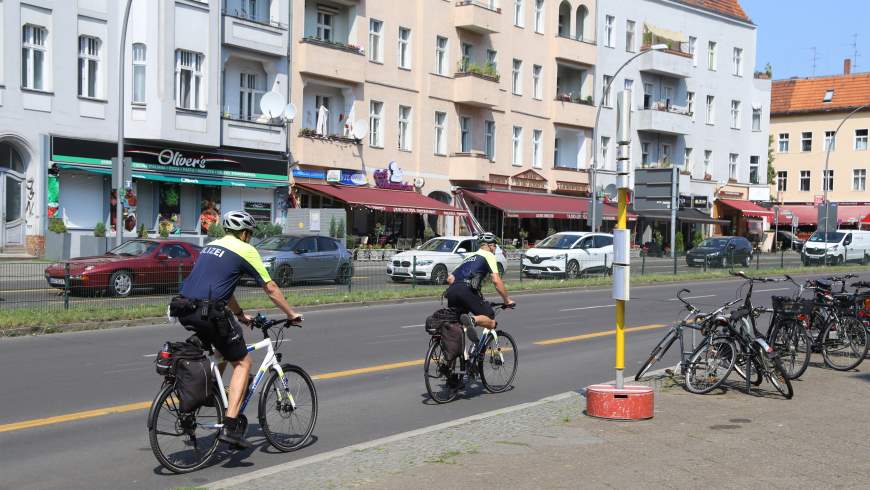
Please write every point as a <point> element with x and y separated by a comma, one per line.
<point>287,412</point>
<point>494,359</point>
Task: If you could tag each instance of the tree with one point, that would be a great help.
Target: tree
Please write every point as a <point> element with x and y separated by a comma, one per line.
<point>771,171</point>
<point>332,227</point>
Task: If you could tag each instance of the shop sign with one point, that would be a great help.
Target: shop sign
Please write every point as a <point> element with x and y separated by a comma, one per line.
<point>261,211</point>
<point>302,173</point>
<point>699,202</point>
<point>392,178</point>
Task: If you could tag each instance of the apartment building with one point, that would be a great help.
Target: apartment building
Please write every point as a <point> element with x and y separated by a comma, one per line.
<point>805,113</point>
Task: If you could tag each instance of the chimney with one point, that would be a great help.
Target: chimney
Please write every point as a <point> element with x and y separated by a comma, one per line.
<point>847,66</point>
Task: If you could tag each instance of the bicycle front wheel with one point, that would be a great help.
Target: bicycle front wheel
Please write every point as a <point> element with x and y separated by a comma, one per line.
<point>498,362</point>
<point>710,365</point>
<point>438,374</point>
<point>657,353</point>
<point>183,442</point>
<point>288,408</point>
<point>844,345</point>
<point>789,339</point>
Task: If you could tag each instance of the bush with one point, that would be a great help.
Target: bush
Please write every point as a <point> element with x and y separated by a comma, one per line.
<point>56,225</point>
<point>332,227</point>
<point>657,237</point>
<point>100,230</point>
<point>216,230</point>
<point>428,233</point>
<point>551,231</point>
<point>142,233</point>
<point>678,237</point>
<point>339,229</point>
<point>697,238</point>
<point>265,230</point>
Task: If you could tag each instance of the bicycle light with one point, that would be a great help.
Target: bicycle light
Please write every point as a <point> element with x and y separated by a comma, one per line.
<point>867,304</point>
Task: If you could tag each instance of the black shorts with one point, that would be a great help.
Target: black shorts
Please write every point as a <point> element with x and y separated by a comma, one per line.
<point>466,300</point>
<point>225,334</point>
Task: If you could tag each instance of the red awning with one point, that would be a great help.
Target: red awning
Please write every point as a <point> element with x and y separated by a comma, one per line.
<point>866,219</point>
<point>748,208</point>
<point>806,215</point>
<point>852,214</point>
<point>809,214</point>
<point>534,205</point>
<point>385,200</point>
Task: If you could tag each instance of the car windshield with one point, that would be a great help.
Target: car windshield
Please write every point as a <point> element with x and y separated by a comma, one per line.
<point>278,243</point>
<point>714,243</point>
<point>557,241</point>
<point>134,248</point>
<point>439,245</point>
<point>832,237</point>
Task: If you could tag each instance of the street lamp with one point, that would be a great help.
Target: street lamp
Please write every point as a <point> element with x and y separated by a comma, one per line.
<point>118,167</point>
<point>594,196</point>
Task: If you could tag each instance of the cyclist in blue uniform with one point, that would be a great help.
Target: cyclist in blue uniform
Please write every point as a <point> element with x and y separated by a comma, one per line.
<point>211,309</point>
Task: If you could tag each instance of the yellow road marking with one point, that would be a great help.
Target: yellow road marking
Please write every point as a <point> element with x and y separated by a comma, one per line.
<point>371,369</point>
<point>597,334</point>
<point>87,414</point>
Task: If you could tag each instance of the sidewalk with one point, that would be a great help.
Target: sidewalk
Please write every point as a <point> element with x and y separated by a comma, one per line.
<point>819,439</point>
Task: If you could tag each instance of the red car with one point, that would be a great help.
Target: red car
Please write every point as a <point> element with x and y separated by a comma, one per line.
<point>151,264</point>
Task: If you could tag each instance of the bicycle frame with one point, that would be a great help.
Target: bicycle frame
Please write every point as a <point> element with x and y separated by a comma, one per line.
<point>269,362</point>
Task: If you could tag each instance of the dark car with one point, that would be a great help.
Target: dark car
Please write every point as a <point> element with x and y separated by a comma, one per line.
<point>721,251</point>
<point>151,264</point>
<point>789,240</point>
<point>291,258</point>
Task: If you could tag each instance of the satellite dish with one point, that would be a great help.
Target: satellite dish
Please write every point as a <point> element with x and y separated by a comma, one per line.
<point>359,130</point>
<point>272,104</point>
<point>290,112</point>
<point>611,191</point>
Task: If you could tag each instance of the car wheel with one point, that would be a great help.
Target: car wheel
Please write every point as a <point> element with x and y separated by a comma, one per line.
<point>345,273</point>
<point>573,270</point>
<point>284,276</point>
<point>121,284</point>
<point>839,260</point>
<point>746,260</point>
<point>439,274</point>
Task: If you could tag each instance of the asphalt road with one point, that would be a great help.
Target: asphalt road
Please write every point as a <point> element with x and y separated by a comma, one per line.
<point>63,374</point>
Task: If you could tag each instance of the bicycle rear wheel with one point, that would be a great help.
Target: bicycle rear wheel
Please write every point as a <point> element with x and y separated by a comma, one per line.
<point>789,339</point>
<point>438,374</point>
<point>657,353</point>
<point>183,442</point>
<point>710,365</point>
<point>779,378</point>
<point>844,346</point>
<point>288,408</point>
<point>498,362</point>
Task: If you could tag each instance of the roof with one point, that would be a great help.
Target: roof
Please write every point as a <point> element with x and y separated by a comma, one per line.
<point>806,95</point>
<point>729,8</point>
<point>385,200</point>
<point>537,205</point>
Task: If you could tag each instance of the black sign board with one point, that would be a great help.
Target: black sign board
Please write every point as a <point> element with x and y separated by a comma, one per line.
<point>699,202</point>
<point>653,188</point>
<point>261,211</point>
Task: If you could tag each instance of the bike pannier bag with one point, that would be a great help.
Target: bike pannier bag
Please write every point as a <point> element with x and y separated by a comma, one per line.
<point>170,353</point>
<point>193,381</point>
<point>451,336</point>
<point>441,317</point>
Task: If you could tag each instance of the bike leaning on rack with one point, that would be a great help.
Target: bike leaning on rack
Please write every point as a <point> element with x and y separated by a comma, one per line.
<point>287,412</point>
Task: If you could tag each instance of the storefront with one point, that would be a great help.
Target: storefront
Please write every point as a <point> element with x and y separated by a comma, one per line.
<point>179,189</point>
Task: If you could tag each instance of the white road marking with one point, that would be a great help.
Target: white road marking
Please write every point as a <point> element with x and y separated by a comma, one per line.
<point>695,297</point>
<point>413,326</point>
<point>149,355</point>
<point>769,290</point>
<point>587,308</point>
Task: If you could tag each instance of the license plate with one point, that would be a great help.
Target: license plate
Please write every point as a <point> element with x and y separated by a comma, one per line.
<point>698,261</point>
<point>54,281</point>
<point>533,272</point>
<point>400,270</point>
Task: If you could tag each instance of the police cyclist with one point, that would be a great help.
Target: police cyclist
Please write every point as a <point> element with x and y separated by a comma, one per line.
<point>217,315</point>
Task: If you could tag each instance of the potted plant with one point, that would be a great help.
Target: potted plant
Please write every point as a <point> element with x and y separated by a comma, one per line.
<point>57,241</point>
<point>142,232</point>
<point>93,245</point>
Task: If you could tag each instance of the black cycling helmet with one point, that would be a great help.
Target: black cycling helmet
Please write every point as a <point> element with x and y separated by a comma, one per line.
<point>487,238</point>
<point>239,221</point>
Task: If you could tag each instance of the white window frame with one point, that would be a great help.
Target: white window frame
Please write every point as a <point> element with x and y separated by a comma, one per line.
<point>690,104</point>
<point>710,116</point>
<point>489,139</point>
<point>806,141</point>
<point>783,144</point>
<point>34,41</point>
<point>517,146</point>
<point>688,163</point>
<point>492,58</point>
<point>376,40</point>
<point>693,49</point>
<point>828,179</point>
<point>736,114</point>
<point>250,93</point>
<point>140,71</point>
<point>465,143</point>
<point>756,166</point>
<point>606,86</point>
<point>539,16</point>
<point>376,124</point>
<point>712,55</point>
<point>644,153</point>
<point>737,62</point>
<point>403,55</point>
<point>830,141</point>
<point>733,158</point>
<point>805,176</point>
<point>630,36</point>
<point>708,161</point>
<point>440,142</point>
<point>517,77</point>
<point>537,82</point>
<point>609,20</point>
<point>404,130</point>
<point>665,156</point>
<point>756,119</point>
<point>519,13</point>
<point>537,148</point>
<point>859,179</point>
<point>782,181</point>
<point>605,152</point>
<point>325,25</point>
<point>442,55</point>
<point>192,62</point>
<point>861,141</point>
<point>90,67</point>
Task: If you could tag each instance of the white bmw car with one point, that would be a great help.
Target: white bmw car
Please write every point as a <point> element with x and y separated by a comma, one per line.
<point>435,259</point>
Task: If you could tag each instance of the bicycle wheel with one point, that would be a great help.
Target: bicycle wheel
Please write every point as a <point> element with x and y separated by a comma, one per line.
<point>789,339</point>
<point>779,378</point>
<point>845,345</point>
<point>498,362</point>
<point>710,365</point>
<point>657,353</point>
<point>437,374</point>
<point>183,442</point>
<point>288,408</point>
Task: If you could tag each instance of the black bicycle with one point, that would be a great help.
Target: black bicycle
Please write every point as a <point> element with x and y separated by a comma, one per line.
<point>494,359</point>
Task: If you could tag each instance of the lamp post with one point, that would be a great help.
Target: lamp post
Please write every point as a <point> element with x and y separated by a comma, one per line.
<point>118,167</point>
<point>594,197</point>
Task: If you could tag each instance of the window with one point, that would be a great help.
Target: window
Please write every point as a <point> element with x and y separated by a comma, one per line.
<point>537,148</point>
<point>89,67</point>
<point>539,16</point>
<point>324,25</point>
<point>606,90</point>
<point>737,63</point>
<point>782,181</point>
<point>249,9</point>
<point>174,251</point>
<point>629,36</point>
<point>440,131</point>
<point>250,93</point>
<point>139,63</point>
<point>753,169</point>
<point>608,31</point>
<point>405,128</point>
<point>517,146</point>
<point>667,95</point>
<point>859,179</point>
<point>516,78</point>
<point>711,55</point>
<point>806,141</point>
<point>830,142</point>
<point>537,87</point>
<point>827,180</point>
<point>693,49</point>
<point>441,55</point>
<point>404,48</point>
<point>189,86</point>
<point>464,134</point>
<point>605,152</point>
<point>376,133</point>
<point>489,139</point>
<point>628,85</point>
<point>325,244</point>
<point>708,161</point>
<point>647,95</point>
<point>666,154</point>
<point>519,13</point>
<point>783,142</point>
<point>688,163</point>
<point>735,114</point>
<point>732,166</point>
<point>829,96</point>
<point>860,139</point>
<point>805,180</point>
<point>467,52</point>
<point>376,46</point>
<point>711,110</point>
<point>492,58</point>
<point>644,155</point>
<point>33,57</point>
<point>756,118</point>
<point>690,104</point>
<point>322,101</point>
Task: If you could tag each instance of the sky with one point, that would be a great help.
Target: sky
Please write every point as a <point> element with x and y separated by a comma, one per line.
<point>789,29</point>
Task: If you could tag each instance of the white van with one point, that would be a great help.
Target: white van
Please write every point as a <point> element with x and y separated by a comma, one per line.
<point>839,246</point>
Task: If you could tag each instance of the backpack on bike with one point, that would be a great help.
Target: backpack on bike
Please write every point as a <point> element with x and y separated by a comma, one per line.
<point>190,367</point>
<point>441,317</point>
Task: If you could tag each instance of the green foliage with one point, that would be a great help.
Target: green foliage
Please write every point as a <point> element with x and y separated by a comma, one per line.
<point>771,171</point>
<point>142,233</point>
<point>265,230</point>
<point>100,229</point>
<point>678,238</point>
<point>697,238</point>
<point>523,234</point>
<point>657,237</point>
<point>551,231</point>
<point>332,226</point>
<point>428,233</point>
<point>56,225</point>
<point>170,196</point>
<point>339,229</point>
<point>379,229</point>
<point>488,70</point>
<point>216,230</point>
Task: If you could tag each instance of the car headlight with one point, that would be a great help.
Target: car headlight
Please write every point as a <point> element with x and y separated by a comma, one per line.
<point>835,248</point>
<point>559,257</point>
<point>424,262</point>
<point>89,268</point>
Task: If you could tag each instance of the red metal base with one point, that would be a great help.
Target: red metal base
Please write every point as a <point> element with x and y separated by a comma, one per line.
<point>632,402</point>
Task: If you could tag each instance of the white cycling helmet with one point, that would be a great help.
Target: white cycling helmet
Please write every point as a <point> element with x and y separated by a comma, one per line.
<point>487,238</point>
<point>239,221</point>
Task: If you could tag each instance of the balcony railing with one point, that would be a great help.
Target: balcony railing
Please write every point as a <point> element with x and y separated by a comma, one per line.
<point>665,106</point>
<point>579,40</point>
<point>479,3</point>
<point>312,134</point>
<point>574,98</point>
<point>486,72</point>
<point>252,118</point>
<point>673,47</point>
<point>242,14</point>
<point>348,48</point>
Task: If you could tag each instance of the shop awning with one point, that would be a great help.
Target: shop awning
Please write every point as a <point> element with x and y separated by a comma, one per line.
<point>748,208</point>
<point>852,214</point>
<point>534,205</point>
<point>806,215</point>
<point>390,201</point>
<point>168,178</point>
<point>809,215</point>
<point>690,215</point>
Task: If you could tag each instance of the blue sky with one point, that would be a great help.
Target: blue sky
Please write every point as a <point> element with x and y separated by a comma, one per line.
<point>788,29</point>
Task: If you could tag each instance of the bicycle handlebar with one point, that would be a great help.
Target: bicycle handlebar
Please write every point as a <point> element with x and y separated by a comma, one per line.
<point>743,275</point>
<point>504,306</point>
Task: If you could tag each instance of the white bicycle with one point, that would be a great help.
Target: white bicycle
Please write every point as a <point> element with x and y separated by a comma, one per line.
<point>287,412</point>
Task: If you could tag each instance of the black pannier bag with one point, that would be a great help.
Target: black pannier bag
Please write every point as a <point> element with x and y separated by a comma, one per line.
<point>190,367</point>
<point>441,317</point>
<point>445,321</point>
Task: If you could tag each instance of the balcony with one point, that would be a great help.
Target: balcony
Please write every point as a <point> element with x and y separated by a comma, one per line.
<point>569,181</point>
<point>253,135</point>
<point>263,36</point>
<point>476,16</point>
<point>571,110</point>
<point>575,51</point>
<point>477,89</point>
<point>672,121</point>
<point>331,60</point>
<point>470,167</point>
<point>671,62</point>
<point>327,151</point>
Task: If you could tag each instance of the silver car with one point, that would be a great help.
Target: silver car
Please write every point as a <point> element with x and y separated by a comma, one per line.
<point>294,259</point>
